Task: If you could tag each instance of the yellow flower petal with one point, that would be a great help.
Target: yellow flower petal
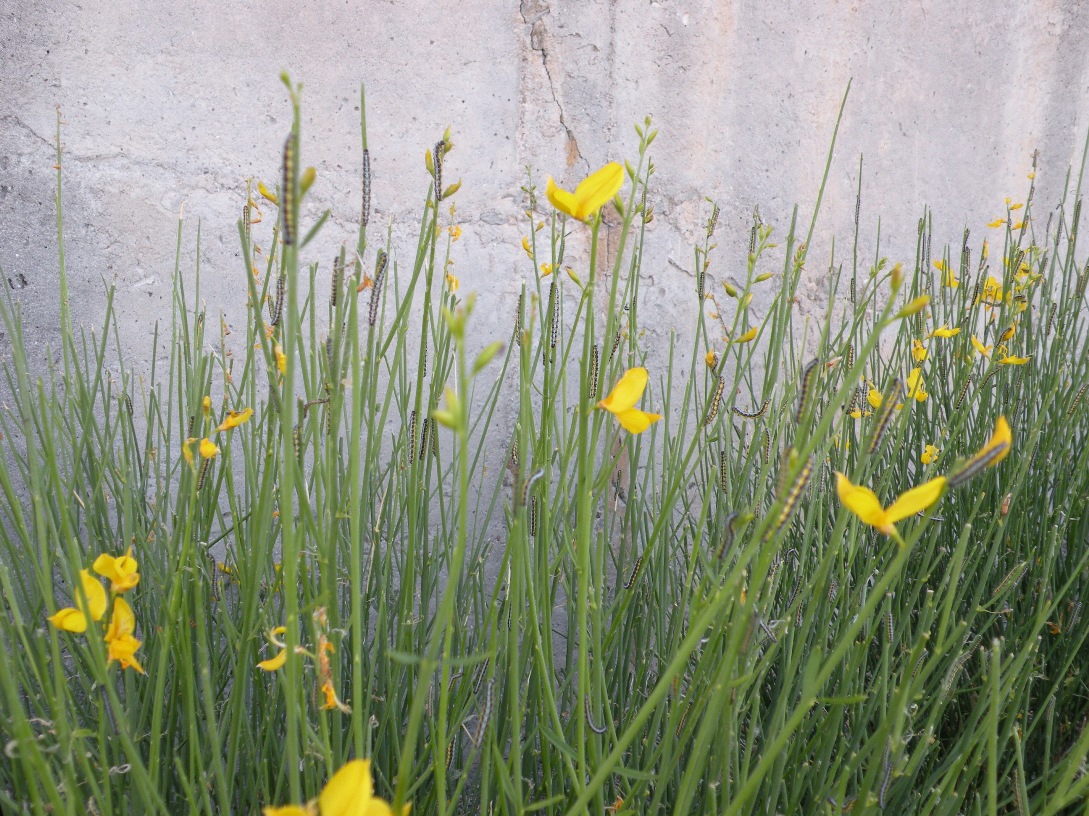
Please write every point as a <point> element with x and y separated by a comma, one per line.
<point>915,500</point>
<point>591,195</point>
<point>208,448</point>
<point>121,571</point>
<point>626,392</point>
<point>95,594</point>
<point>281,359</point>
<point>998,222</point>
<point>861,501</point>
<point>945,331</point>
<point>982,349</point>
<point>123,650</point>
<point>122,622</point>
<point>930,455</point>
<point>914,307</point>
<point>275,662</point>
<point>1012,360</point>
<point>635,421</point>
<point>918,351</point>
<point>349,791</point>
<point>69,620</point>
<point>1000,436</point>
<point>234,419</point>
<point>873,396</point>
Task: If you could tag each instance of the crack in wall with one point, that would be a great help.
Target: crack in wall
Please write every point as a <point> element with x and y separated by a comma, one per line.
<point>533,14</point>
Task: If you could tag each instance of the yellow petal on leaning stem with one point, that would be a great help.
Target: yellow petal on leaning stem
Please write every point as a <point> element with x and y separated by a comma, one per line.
<point>635,421</point>
<point>1000,436</point>
<point>915,500</point>
<point>748,336</point>
<point>861,501</point>
<point>626,392</point>
<point>275,662</point>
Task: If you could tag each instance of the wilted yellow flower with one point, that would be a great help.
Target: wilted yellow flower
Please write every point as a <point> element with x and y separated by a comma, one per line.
<point>998,222</point>
<point>930,455</point>
<point>864,503</point>
<point>748,336</point>
<point>527,247</point>
<point>454,231</point>
<point>914,307</point>
<point>208,448</point>
<point>121,644</point>
<point>711,359</point>
<point>234,419</point>
<point>591,195</point>
<point>945,331</point>
<point>621,402</point>
<point>452,283</point>
<point>121,571</point>
<point>94,595</point>
<point>1012,360</point>
<point>982,349</point>
<point>206,406</point>
<point>281,359</point>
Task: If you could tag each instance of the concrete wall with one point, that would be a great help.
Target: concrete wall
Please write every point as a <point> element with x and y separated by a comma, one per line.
<point>173,105</point>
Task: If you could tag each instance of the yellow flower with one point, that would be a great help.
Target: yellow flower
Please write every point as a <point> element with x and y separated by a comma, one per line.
<point>915,385</point>
<point>1011,360</point>
<point>206,406</point>
<point>998,222</point>
<point>591,195</point>
<point>991,292</point>
<point>349,793</point>
<point>949,278</point>
<point>748,336</point>
<point>982,349</point>
<point>121,644</point>
<point>452,283</point>
<point>945,331</point>
<point>234,419</point>
<point>918,351</point>
<point>281,359</point>
<point>454,231</point>
<point>546,270</point>
<point>527,247</point>
<point>873,396</point>
<point>208,448</point>
<point>1008,334</point>
<point>711,359</point>
<point>93,601</point>
<point>1017,206</point>
<point>121,571</point>
<point>864,503</point>
<point>278,660</point>
<point>621,402</point>
<point>930,455</point>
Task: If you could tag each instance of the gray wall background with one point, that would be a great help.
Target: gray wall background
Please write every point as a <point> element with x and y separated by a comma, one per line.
<point>173,105</point>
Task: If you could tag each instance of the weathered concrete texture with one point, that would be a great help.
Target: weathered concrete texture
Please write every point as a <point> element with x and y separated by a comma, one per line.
<point>173,105</point>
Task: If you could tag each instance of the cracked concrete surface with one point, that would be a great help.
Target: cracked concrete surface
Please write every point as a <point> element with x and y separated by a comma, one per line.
<point>167,109</point>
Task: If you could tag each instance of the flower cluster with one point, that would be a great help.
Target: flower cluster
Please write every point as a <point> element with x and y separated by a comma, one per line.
<point>92,603</point>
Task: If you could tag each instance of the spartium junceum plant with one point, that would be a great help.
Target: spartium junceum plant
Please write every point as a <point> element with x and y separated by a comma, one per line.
<point>309,567</point>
